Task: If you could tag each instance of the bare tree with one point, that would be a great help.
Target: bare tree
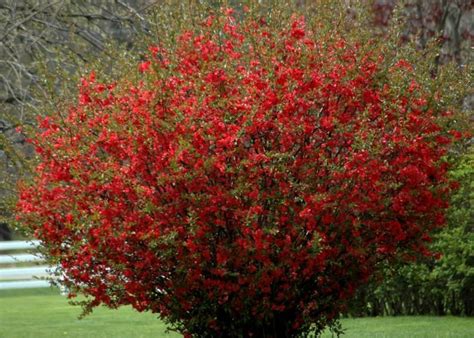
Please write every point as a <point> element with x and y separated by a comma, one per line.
<point>449,21</point>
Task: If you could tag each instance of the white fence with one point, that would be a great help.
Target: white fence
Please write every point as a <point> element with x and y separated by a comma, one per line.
<point>24,276</point>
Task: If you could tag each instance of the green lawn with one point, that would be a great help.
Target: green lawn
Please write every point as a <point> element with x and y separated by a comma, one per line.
<point>44,313</point>
<point>409,327</point>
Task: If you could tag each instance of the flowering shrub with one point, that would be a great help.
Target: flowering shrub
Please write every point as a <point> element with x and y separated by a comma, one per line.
<point>246,183</point>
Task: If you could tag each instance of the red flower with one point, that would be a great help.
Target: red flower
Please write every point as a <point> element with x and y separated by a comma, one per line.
<point>144,66</point>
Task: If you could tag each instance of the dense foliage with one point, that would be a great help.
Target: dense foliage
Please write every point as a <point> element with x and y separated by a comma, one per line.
<point>246,181</point>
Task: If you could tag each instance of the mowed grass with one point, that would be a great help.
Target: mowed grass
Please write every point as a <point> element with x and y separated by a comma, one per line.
<point>409,327</point>
<point>44,313</point>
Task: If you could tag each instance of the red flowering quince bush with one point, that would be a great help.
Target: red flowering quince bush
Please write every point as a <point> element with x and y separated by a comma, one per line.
<point>244,182</point>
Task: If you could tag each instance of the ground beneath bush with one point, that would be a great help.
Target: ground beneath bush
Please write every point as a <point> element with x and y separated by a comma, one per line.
<point>43,313</point>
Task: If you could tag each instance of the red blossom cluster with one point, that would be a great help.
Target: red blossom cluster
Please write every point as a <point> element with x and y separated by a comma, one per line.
<point>246,185</point>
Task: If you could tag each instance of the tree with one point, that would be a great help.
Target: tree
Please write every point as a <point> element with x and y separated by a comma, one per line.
<point>247,179</point>
<point>448,21</point>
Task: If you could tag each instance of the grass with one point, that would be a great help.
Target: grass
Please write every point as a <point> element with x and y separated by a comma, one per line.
<point>44,313</point>
<point>409,327</point>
